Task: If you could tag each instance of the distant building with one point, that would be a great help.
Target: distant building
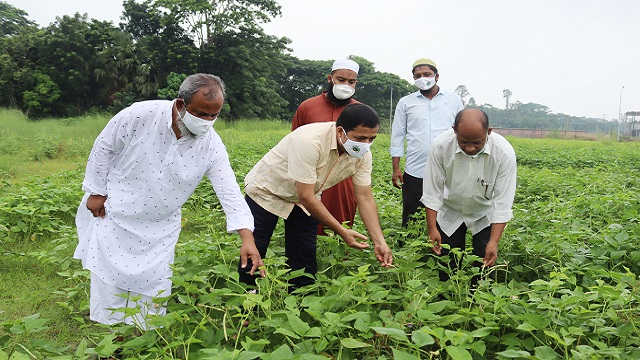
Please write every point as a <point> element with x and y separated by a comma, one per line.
<point>631,124</point>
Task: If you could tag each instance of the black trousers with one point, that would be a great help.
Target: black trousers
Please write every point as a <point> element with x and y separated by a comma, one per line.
<point>299,241</point>
<point>458,240</point>
<point>411,194</point>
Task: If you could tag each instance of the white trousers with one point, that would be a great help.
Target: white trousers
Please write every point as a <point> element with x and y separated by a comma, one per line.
<point>105,299</point>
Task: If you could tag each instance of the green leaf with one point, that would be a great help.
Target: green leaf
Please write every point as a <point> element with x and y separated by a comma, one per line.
<point>482,332</point>
<point>422,338</point>
<point>394,333</point>
<point>401,355</point>
<point>545,353</point>
<point>458,353</point>
<point>287,332</point>
<point>299,326</point>
<point>283,352</point>
<point>526,327</point>
<point>514,353</point>
<point>353,343</point>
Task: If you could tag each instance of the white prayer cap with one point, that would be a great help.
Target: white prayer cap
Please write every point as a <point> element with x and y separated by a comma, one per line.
<point>345,64</point>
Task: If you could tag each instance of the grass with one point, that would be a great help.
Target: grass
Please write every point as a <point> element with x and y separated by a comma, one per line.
<point>568,284</point>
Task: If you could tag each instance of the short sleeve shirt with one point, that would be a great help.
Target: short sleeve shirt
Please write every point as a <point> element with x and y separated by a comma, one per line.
<point>308,155</point>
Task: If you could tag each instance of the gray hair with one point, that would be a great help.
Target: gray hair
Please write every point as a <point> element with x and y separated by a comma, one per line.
<point>193,83</point>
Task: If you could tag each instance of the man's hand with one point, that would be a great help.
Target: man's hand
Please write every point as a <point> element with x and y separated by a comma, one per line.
<point>350,237</point>
<point>95,204</point>
<point>383,254</point>
<point>436,240</point>
<point>491,253</point>
<point>396,178</point>
<point>248,250</point>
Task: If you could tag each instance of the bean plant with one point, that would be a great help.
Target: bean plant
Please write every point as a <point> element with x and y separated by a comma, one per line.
<point>565,285</point>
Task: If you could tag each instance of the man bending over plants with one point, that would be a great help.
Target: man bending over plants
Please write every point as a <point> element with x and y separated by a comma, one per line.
<point>471,184</point>
<point>288,182</point>
<point>143,167</point>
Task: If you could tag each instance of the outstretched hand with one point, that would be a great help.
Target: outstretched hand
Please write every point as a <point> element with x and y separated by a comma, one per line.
<point>383,254</point>
<point>351,237</point>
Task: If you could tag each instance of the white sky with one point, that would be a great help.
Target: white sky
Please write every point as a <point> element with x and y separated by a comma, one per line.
<point>573,56</point>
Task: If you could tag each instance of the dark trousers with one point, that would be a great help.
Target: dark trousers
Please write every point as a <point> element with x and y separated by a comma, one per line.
<point>411,194</point>
<point>458,240</point>
<point>299,241</point>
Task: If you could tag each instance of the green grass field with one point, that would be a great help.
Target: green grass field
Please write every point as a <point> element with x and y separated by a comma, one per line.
<point>567,276</point>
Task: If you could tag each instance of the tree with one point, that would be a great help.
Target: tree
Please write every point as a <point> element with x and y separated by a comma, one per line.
<point>207,19</point>
<point>18,54</point>
<point>162,46</point>
<point>13,19</point>
<point>42,93</point>
<point>250,64</point>
<point>472,102</point>
<point>69,55</point>
<point>506,93</point>
<point>462,91</point>
<point>375,88</point>
<point>303,79</point>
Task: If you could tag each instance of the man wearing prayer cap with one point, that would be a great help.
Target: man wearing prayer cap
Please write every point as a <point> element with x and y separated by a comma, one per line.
<point>419,118</point>
<point>340,199</point>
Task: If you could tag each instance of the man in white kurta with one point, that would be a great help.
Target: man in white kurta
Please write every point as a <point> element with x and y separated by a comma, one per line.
<point>146,163</point>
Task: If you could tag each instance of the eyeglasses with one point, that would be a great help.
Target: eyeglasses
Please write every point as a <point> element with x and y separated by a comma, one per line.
<point>486,186</point>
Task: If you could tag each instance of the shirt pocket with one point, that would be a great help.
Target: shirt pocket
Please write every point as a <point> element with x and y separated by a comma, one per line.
<point>484,189</point>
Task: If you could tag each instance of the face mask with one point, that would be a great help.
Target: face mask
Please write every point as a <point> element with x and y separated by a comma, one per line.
<point>196,125</point>
<point>342,91</point>
<point>355,149</point>
<point>425,83</point>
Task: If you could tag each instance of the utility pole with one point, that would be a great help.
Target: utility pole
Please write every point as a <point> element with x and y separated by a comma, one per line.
<point>603,117</point>
<point>390,108</point>
<point>620,113</point>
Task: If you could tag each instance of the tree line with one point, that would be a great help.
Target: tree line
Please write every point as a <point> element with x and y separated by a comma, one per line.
<point>77,65</point>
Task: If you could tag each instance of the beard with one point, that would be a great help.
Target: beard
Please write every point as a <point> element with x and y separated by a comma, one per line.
<point>334,100</point>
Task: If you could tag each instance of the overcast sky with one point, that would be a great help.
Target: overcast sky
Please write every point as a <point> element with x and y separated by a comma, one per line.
<point>573,56</point>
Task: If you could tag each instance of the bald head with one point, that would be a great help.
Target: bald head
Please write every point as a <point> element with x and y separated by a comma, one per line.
<point>472,130</point>
<point>472,116</point>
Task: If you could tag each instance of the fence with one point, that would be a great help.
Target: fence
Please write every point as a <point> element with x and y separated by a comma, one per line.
<point>541,133</point>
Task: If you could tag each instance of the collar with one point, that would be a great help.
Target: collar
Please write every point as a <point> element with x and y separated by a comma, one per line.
<point>419,94</point>
<point>170,117</point>
<point>485,150</point>
<point>334,140</point>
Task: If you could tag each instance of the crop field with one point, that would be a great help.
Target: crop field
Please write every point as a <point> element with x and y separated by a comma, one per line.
<point>566,282</point>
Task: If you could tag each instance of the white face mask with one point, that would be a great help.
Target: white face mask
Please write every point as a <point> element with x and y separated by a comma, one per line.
<point>342,91</point>
<point>425,83</point>
<point>354,148</point>
<point>196,125</point>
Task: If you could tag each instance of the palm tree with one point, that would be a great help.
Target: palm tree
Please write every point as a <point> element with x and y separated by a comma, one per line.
<point>506,93</point>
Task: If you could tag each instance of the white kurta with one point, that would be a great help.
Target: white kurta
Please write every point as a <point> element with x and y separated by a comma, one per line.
<point>147,175</point>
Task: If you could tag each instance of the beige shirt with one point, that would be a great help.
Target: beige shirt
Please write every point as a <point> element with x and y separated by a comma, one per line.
<point>475,190</point>
<point>308,155</point>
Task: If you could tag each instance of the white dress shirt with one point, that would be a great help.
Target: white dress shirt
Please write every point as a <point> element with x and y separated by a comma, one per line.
<point>419,120</point>
<point>475,190</point>
<point>148,174</point>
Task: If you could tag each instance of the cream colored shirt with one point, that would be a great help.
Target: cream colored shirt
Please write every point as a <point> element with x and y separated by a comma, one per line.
<point>308,155</point>
<point>477,190</point>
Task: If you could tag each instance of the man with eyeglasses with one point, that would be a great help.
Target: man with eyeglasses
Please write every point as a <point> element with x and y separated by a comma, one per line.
<point>419,118</point>
<point>470,185</point>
